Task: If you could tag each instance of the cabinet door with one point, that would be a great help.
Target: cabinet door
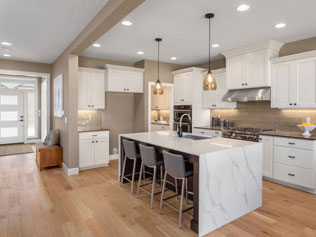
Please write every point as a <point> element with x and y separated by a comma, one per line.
<point>101,151</point>
<point>188,87</point>
<point>165,102</point>
<point>97,95</point>
<point>257,69</point>
<point>267,157</point>
<point>281,85</point>
<point>83,90</point>
<point>154,99</point>
<point>305,83</point>
<point>235,72</point>
<point>221,91</point>
<point>210,99</point>
<point>116,81</point>
<point>86,153</point>
<point>134,82</point>
<point>178,89</point>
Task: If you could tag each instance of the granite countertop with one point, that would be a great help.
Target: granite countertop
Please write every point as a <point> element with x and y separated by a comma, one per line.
<point>213,128</point>
<point>170,140</point>
<point>288,134</point>
<point>83,129</point>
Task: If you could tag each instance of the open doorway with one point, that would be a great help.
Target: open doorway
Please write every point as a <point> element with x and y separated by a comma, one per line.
<point>24,107</point>
<point>160,108</point>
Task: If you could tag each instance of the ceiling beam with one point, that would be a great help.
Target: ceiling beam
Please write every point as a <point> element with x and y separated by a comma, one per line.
<point>112,13</point>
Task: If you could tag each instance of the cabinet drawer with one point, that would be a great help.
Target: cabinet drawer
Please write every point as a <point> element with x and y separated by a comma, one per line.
<point>203,131</point>
<point>294,143</point>
<point>294,175</point>
<point>92,135</point>
<point>296,157</point>
<point>217,133</point>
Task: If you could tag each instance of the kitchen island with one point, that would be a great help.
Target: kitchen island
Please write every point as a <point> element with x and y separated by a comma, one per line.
<point>227,175</point>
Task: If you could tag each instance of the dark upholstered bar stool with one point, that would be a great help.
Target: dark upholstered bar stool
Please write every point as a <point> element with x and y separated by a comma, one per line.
<point>149,159</point>
<point>130,153</point>
<point>175,166</point>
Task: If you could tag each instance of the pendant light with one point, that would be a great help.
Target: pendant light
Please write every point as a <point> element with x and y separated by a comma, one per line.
<point>209,80</point>
<point>158,89</point>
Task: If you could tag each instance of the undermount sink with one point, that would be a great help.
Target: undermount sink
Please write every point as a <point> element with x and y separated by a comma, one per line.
<point>194,137</point>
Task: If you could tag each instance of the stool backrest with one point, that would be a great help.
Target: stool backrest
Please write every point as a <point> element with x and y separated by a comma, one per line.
<point>148,155</point>
<point>129,148</point>
<point>174,164</point>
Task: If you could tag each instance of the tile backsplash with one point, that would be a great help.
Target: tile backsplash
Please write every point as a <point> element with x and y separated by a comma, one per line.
<point>89,119</point>
<point>260,114</point>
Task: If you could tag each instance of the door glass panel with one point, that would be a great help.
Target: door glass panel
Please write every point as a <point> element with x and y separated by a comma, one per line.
<point>9,100</point>
<point>9,116</point>
<point>9,132</point>
<point>31,114</point>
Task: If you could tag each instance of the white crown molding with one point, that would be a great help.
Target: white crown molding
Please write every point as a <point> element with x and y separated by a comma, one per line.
<point>71,171</point>
<point>293,57</point>
<point>123,68</point>
<point>86,69</point>
<point>267,44</point>
<point>189,69</point>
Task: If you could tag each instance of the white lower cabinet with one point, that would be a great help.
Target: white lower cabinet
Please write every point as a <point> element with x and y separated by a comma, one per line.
<point>290,160</point>
<point>208,132</point>
<point>93,149</point>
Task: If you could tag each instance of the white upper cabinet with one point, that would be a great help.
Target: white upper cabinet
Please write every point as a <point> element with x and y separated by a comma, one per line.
<point>183,88</point>
<point>249,66</point>
<point>124,79</point>
<point>213,99</point>
<point>294,81</point>
<point>91,89</point>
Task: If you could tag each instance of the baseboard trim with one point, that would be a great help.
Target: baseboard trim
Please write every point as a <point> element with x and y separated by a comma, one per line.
<point>114,157</point>
<point>72,171</point>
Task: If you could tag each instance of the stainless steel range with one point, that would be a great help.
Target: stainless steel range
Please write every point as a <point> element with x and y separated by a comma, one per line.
<point>248,134</point>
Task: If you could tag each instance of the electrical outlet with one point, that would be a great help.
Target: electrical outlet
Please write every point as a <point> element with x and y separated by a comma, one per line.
<point>114,151</point>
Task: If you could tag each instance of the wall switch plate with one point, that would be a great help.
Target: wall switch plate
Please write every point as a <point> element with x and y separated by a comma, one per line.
<point>114,151</point>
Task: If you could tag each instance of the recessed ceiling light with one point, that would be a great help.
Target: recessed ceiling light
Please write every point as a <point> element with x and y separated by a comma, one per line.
<point>6,55</point>
<point>6,43</point>
<point>215,45</point>
<point>126,23</point>
<point>96,45</point>
<point>173,58</point>
<point>140,52</point>
<point>242,7</point>
<point>280,25</point>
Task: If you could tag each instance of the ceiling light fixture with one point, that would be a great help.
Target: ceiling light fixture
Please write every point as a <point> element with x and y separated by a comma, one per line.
<point>209,80</point>
<point>158,89</point>
<point>96,45</point>
<point>6,55</point>
<point>173,58</point>
<point>215,45</point>
<point>6,43</point>
<point>140,52</point>
<point>126,23</point>
<point>243,8</point>
<point>280,25</point>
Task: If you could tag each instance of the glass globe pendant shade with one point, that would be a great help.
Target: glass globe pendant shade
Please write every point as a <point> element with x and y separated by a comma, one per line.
<point>209,82</point>
<point>158,89</point>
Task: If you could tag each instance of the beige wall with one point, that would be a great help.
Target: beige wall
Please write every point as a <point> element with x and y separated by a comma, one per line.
<point>299,46</point>
<point>25,66</point>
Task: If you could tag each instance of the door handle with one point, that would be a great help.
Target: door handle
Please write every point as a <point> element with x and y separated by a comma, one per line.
<point>291,174</point>
<point>21,120</point>
<point>292,157</point>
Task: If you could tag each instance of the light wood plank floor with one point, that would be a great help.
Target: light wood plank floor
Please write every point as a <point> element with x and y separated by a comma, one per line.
<point>49,203</point>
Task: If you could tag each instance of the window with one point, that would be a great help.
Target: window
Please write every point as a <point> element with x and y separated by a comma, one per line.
<point>31,113</point>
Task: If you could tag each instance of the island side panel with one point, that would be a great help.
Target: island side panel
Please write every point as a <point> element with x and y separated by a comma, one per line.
<point>230,185</point>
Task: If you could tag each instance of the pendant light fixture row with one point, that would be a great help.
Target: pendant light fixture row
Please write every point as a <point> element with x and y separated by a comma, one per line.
<point>209,80</point>
<point>158,89</point>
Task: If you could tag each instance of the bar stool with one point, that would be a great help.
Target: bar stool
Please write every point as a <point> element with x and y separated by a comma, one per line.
<point>175,167</point>
<point>149,159</point>
<point>130,153</point>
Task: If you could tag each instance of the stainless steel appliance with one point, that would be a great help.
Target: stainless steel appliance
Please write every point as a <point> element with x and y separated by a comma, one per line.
<point>178,111</point>
<point>248,134</point>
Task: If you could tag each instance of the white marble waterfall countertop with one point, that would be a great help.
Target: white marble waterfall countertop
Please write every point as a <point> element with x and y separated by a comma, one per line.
<point>170,140</point>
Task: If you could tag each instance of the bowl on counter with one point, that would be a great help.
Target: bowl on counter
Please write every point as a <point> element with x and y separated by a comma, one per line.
<point>306,129</point>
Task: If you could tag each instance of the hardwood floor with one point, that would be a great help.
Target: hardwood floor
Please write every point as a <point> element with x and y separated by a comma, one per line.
<point>49,203</point>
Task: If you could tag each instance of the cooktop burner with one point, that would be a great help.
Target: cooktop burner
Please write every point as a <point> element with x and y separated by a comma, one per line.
<point>252,130</point>
<point>248,134</point>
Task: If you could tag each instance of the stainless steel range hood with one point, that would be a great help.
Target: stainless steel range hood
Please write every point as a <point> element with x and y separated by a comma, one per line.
<point>244,95</point>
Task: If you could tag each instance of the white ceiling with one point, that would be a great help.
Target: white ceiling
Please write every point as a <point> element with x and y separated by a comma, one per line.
<point>40,30</point>
<point>184,29</point>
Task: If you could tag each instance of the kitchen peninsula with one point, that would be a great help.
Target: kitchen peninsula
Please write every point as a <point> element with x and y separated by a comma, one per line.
<point>227,174</point>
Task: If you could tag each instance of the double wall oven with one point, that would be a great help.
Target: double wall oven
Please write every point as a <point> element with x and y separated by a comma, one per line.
<point>178,111</point>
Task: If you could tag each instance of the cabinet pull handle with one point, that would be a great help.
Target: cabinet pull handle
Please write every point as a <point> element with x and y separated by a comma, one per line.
<point>96,141</point>
<point>95,135</point>
<point>292,157</point>
<point>242,84</point>
<point>291,143</point>
<point>246,84</point>
<point>291,174</point>
<point>290,103</point>
<point>294,103</point>
<point>92,141</point>
<point>202,132</point>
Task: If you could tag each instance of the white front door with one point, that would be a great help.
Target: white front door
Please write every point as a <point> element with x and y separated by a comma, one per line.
<point>11,117</point>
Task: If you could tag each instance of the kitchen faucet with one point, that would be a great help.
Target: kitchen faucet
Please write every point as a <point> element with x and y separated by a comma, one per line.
<point>179,132</point>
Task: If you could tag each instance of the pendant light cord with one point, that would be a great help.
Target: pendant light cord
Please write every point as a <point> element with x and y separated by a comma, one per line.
<point>209,45</point>
<point>158,60</point>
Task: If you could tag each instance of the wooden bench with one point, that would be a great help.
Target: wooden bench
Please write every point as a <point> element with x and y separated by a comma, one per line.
<point>47,156</point>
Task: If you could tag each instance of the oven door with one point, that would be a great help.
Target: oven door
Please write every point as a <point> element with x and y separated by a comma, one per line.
<point>186,126</point>
<point>179,113</point>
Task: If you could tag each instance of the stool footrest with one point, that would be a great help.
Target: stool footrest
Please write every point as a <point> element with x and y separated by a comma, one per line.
<point>173,207</point>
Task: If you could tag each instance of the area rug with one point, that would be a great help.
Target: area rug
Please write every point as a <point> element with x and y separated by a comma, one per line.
<point>7,150</point>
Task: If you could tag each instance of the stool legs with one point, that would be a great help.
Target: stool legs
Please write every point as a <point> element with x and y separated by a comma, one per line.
<point>123,170</point>
<point>186,190</point>
<point>133,176</point>
<point>140,178</point>
<point>163,191</point>
<point>153,188</point>
<point>181,203</point>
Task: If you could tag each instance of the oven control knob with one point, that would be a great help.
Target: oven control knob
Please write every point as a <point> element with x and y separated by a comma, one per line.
<point>233,134</point>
